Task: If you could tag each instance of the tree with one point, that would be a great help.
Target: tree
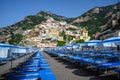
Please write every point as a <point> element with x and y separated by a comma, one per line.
<point>15,39</point>
<point>80,41</point>
<point>63,35</point>
<point>61,43</point>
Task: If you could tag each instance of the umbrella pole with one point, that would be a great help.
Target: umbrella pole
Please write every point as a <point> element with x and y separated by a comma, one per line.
<point>11,63</point>
<point>10,53</point>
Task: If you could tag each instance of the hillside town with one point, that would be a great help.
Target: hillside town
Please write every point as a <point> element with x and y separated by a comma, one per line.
<point>47,33</point>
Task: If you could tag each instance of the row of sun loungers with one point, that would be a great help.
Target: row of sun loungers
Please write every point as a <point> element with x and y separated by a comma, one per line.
<point>103,61</point>
<point>34,68</point>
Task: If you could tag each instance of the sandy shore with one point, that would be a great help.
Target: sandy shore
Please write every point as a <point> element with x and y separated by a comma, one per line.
<point>65,70</point>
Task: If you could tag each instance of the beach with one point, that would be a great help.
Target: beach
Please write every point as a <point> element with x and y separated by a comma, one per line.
<point>66,70</point>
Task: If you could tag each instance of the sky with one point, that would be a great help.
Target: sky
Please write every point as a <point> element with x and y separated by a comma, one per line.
<point>12,11</point>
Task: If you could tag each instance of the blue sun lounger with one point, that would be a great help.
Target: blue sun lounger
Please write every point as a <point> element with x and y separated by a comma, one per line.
<point>35,77</point>
<point>33,68</point>
<point>113,62</point>
<point>108,65</point>
<point>42,75</point>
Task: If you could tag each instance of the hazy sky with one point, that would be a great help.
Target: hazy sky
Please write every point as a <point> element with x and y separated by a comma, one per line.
<point>12,11</point>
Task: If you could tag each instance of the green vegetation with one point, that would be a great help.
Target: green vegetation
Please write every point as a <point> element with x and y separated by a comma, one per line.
<point>61,43</point>
<point>80,41</point>
<point>15,39</point>
<point>62,34</point>
<point>48,39</point>
<point>96,19</point>
<point>71,29</point>
<point>91,25</point>
<point>54,16</point>
<point>29,22</point>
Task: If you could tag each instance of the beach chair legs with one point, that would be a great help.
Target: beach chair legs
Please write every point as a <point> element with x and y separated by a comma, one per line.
<point>95,69</point>
<point>105,70</point>
<point>118,75</point>
<point>101,70</point>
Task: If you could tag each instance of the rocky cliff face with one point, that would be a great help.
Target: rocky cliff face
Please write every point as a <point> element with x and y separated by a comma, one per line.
<point>103,12</point>
<point>97,17</point>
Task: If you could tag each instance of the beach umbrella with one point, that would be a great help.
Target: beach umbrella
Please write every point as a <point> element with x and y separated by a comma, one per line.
<point>5,50</point>
<point>68,47</point>
<point>92,42</point>
<point>109,44</point>
<point>113,39</point>
<point>112,42</point>
<point>74,46</point>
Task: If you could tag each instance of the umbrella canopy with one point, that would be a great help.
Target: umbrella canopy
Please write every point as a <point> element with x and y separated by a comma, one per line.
<point>5,50</point>
<point>75,45</point>
<point>113,42</point>
<point>92,42</point>
<point>18,50</point>
<point>69,47</point>
<point>113,39</point>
